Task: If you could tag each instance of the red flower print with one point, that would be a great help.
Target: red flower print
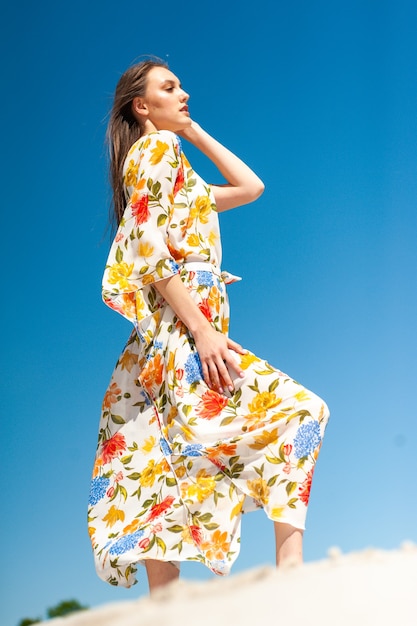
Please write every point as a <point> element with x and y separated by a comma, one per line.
<point>287,449</point>
<point>159,509</point>
<point>110,492</point>
<point>140,210</point>
<point>144,543</point>
<point>179,182</point>
<point>287,468</point>
<point>205,309</point>
<point>211,404</point>
<point>304,489</point>
<point>179,373</point>
<point>196,533</point>
<point>217,462</point>
<point>113,447</point>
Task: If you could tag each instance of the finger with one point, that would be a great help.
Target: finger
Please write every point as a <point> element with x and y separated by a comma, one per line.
<point>231,362</point>
<point>215,377</point>
<point>206,374</point>
<point>233,345</point>
<point>224,373</point>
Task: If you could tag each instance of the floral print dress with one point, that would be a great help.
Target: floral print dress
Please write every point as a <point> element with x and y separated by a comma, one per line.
<point>178,463</point>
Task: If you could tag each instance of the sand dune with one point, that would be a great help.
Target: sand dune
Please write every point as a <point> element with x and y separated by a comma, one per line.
<point>372,587</point>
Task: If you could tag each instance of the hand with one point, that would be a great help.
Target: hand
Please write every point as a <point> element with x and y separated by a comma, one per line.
<point>214,351</point>
<point>191,132</point>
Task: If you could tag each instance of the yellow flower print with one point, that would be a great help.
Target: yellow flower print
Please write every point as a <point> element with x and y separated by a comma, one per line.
<point>138,188</point>
<point>263,401</point>
<point>113,515</point>
<point>148,279</point>
<point>148,475</point>
<point>225,325</point>
<point>145,249</point>
<point>277,512</point>
<point>158,152</point>
<point>254,421</point>
<point>97,465</point>
<point>131,173</point>
<point>180,471</point>
<point>259,490</point>
<point>186,535</point>
<point>151,471</point>
<point>214,298</point>
<point>236,510</point>
<point>173,412</point>
<point>302,395</point>
<point>247,359</point>
<point>185,161</point>
<point>149,444</point>
<point>203,487</point>
<point>203,208</point>
<point>193,240</point>
<point>171,361</point>
<point>265,439</point>
<point>119,273</point>
<point>216,547</point>
<point>128,360</point>
<point>132,527</point>
<point>187,432</point>
<point>146,143</point>
<point>212,238</point>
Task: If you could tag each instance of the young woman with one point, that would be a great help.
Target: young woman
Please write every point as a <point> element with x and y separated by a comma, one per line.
<point>195,430</point>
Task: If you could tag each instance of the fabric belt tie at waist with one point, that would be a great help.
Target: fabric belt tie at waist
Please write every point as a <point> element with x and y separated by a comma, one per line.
<point>202,266</point>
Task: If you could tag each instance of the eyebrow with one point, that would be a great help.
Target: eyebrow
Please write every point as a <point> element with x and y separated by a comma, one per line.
<point>169,81</point>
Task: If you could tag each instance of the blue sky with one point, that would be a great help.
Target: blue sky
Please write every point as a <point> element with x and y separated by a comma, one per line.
<point>320,98</point>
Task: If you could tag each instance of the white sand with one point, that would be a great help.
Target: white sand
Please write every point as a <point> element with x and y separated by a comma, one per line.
<point>369,588</point>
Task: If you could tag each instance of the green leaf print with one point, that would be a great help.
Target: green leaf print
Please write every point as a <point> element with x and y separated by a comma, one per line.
<point>119,255</point>
<point>162,218</point>
<point>161,544</point>
<point>117,419</point>
<point>156,188</point>
<point>176,528</point>
<point>273,459</point>
<point>273,385</point>
<point>290,487</point>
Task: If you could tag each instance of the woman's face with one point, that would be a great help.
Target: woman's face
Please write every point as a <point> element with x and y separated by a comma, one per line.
<point>164,105</point>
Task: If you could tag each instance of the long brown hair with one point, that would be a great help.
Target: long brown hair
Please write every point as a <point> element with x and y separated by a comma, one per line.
<point>124,129</point>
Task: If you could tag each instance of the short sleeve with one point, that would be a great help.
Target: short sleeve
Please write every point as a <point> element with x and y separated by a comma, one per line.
<point>139,255</point>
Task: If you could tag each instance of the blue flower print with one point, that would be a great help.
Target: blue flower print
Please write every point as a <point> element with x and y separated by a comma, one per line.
<point>165,447</point>
<point>193,371</point>
<point>307,439</point>
<point>173,266</point>
<point>193,449</point>
<point>98,489</point>
<point>126,543</point>
<point>205,278</point>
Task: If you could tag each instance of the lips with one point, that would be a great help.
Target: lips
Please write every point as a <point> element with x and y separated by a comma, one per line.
<point>184,109</point>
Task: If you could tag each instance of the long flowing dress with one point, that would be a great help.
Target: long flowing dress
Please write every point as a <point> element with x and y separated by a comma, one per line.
<point>178,463</point>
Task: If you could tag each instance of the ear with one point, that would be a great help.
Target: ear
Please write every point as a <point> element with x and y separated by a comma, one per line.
<point>139,108</point>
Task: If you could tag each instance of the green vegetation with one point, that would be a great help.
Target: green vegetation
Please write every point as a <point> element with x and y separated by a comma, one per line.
<point>63,608</point>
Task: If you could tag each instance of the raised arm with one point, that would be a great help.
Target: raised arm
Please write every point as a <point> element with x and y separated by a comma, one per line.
<point>243,185</point>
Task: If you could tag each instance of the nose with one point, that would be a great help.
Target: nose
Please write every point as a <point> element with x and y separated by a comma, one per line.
<point>184,96</point>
